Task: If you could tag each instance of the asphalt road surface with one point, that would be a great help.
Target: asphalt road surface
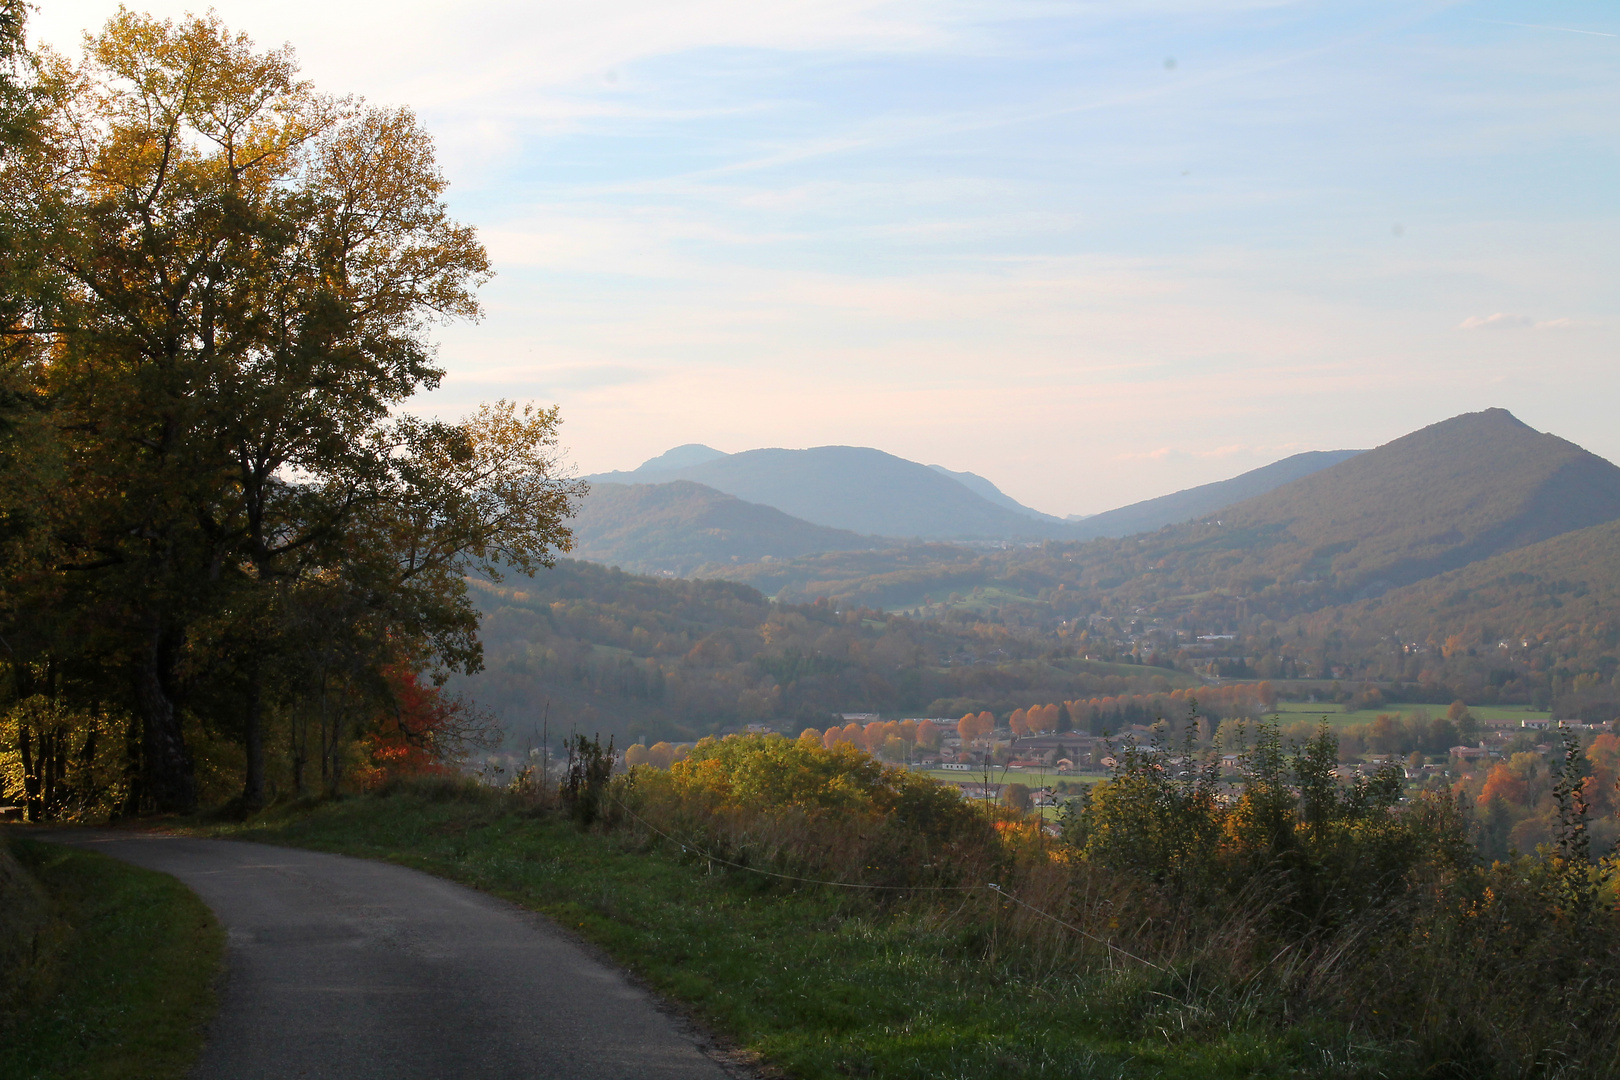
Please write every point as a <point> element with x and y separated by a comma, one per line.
<point>347,969</point>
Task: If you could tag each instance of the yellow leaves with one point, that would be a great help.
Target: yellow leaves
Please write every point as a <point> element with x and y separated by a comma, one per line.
<point>157,103</point>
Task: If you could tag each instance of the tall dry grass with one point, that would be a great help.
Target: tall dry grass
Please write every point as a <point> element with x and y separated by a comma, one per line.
<point>1201,906</point>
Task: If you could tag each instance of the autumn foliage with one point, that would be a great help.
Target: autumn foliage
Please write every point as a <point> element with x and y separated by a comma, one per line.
<point>975,726</point>
<point>419,731</point>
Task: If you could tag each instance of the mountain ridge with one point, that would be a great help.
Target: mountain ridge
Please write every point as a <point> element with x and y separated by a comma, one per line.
<point>858,489</point>
<point>1194,502</point>
<point>677,526</point>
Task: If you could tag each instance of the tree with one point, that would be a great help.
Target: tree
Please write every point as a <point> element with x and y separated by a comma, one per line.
<point>421,730</point>
<point>245,275</point>
<point>1505,784</point>
<point>1016,796</point>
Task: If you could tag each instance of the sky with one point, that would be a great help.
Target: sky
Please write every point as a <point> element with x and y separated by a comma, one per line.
<point>1095,252</point>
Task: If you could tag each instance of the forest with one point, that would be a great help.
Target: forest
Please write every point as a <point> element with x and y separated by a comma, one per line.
<point>674,659</point>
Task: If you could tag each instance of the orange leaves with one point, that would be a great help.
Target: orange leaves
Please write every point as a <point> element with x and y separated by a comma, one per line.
<point>411,736</point>
<point>1505,784</point>
<point>975,726</point>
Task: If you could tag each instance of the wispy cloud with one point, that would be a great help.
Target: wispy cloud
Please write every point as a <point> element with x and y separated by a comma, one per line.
<point>1499,321</point>
<point>1541,26</point>
<point>1504,321</point>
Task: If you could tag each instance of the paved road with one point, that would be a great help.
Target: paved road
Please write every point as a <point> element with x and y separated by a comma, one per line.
<point>346,969</point>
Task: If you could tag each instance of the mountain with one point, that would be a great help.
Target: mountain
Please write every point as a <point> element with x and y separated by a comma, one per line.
<point>1555,600</point>
<point>681,457</point>
<point>1204,500</point>
<point>988,491</point>
<point>861,490</point>
<point>1453,493</point>
<point>676,527</point>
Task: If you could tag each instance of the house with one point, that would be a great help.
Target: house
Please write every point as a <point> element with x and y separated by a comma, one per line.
<point>955,766</point>
<point>1539,723</point>
<point>1470,753</point>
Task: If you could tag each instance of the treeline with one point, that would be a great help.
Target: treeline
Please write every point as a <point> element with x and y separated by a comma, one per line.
<point>1402,734</point>
<point>225,554</point>
<point>1107,715</point>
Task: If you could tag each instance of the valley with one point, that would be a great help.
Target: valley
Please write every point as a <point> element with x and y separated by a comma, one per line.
<point>1475,559</point>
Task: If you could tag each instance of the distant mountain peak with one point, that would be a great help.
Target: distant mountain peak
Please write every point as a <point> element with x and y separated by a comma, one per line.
<point>986,489</point>
<point>681,457</point>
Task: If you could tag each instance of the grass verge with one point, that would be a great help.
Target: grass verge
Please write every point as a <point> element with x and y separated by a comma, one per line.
<point>122,983</point>
<point>817,982</point>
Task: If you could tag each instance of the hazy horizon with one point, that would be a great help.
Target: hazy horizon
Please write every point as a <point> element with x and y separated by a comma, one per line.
<point>1093,255</point>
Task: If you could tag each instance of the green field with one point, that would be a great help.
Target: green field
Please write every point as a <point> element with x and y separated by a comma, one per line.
<point>1293,712</point>
<point>1035,778</point>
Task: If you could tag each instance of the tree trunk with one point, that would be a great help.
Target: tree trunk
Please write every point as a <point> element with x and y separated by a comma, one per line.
<point>253,724</point>
<point>134,768</point>
<point>299,735</point>
<point>334,776</point>
<point>30,773</point>
<point>87,765</point>
<point>169,783</point>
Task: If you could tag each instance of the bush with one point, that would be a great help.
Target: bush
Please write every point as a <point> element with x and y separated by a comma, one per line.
<point>1287,896</point>
<point>828,814</point>
<point>1343,901</point>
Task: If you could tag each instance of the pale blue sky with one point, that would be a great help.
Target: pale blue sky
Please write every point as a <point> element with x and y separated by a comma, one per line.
<point>1095,252</point>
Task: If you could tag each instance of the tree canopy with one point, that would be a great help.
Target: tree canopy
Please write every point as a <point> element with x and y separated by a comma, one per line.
<point>226,288</point>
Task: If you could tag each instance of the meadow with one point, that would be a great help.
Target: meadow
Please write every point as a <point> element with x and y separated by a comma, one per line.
<point>1336,715</point>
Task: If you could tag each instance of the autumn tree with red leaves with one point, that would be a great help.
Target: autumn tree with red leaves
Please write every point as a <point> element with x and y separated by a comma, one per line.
<point>420,731</point>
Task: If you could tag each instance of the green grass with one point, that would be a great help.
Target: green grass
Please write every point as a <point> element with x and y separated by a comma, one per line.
<point>1033,778</point>
<point>818,982</point>
<point>125,984</point>
<point>1293,712</point>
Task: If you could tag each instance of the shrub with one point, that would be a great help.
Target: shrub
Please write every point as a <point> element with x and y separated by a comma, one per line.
<point>828,814</point>
<point>1286,896</point>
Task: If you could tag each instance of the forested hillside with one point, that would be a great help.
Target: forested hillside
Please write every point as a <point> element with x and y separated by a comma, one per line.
<point>677,527</point>
<point>1452,493</point>
<point>638,656</point>
<point>1543,620</point>
<point>1284,585</point>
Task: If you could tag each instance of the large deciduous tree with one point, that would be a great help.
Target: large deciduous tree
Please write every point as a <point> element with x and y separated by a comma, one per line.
<point>237,280</point>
